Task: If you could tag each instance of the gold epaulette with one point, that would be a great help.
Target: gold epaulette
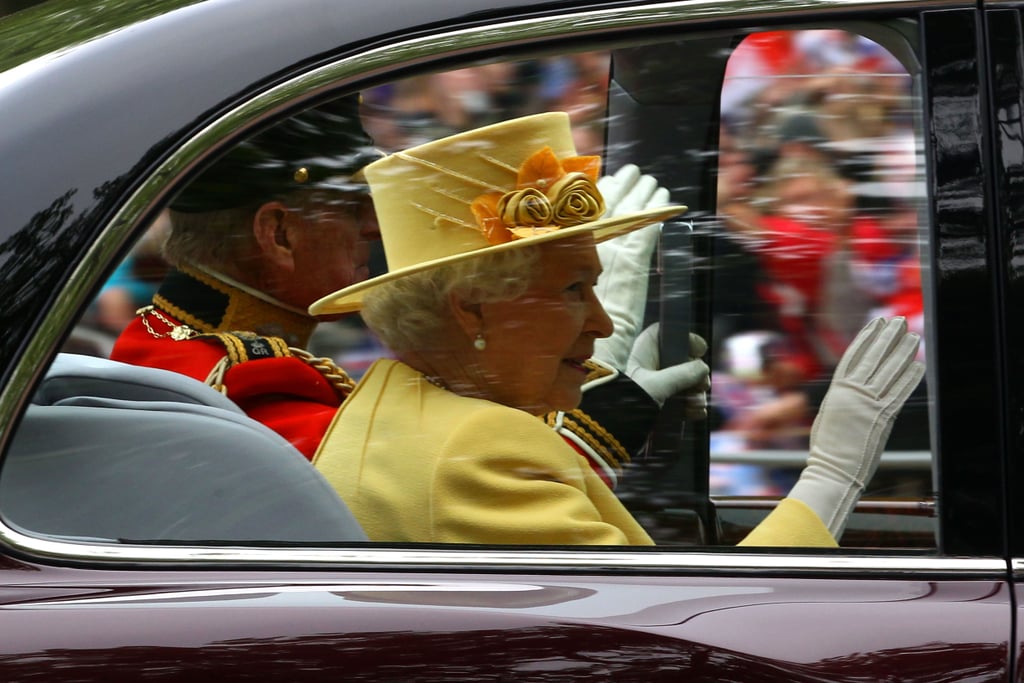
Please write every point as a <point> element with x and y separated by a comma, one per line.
<point>596,370</point>
<point>242,347</point>
<point>246,346</point>
<point>588,433</point>
<point>597,443</point>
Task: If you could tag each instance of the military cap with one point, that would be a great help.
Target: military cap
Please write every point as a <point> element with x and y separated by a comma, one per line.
<point>322,148</point>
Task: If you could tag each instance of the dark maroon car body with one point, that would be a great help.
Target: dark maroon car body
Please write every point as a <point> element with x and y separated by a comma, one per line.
<point>105,108</point>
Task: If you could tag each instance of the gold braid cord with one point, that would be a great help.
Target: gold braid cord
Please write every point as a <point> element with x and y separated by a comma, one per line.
<point>596,371</point>
<point>338,378</point>
<point>242,347</point>
<point>216,377</point>
<point>586,431</point>
<point>594,435</point>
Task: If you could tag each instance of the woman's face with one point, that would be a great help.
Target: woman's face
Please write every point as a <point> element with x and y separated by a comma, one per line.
<point>537,343</point>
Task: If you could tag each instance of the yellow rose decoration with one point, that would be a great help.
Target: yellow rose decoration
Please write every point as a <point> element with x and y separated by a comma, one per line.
<point>550,194</point>
<point>576,200</point>
<point>528,207</point>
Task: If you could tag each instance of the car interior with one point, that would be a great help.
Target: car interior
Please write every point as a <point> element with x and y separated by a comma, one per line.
<point>141,455</point>
<point>146,456</point>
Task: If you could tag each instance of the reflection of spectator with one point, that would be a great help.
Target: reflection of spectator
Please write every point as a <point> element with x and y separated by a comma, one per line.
<point>750,374</point>
<point>132,285</point>
<point>415,114</point>
<point>735,479</point>
<point>738,273</point>
<point>827,49</point>
<point>479,95</point>
<point>810,244</point>
<point>757,372</point>
<point>800,137</point>
<point>817,164</point>
<point>421,108</point>
<point>795,231</point>
<point>886,266</point>
<point>584,95</point>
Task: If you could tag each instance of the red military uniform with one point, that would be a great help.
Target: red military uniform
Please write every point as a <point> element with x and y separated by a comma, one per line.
<point>610,425</point>
<point>202,326</point>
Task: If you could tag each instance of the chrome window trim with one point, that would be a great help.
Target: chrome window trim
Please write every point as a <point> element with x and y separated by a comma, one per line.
<point>348,71</point>
<point>510,559</point>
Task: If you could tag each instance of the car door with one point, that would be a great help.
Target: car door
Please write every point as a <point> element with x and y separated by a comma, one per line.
<point>701,97</point>
<point>1003,24</point>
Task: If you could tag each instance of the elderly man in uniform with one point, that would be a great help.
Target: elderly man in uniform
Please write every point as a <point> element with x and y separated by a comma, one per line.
<point>280,222</point>
<point>259,235</point>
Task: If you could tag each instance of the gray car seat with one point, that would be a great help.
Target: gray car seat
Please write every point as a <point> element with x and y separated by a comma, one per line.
<point>115,452</point>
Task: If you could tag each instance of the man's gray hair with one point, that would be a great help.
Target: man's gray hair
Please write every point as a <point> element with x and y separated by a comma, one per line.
<point>214,238</point>
<point>224,238</point>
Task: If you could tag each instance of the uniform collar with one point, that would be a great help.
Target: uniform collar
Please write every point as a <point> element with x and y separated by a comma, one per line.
<point>212,302</point>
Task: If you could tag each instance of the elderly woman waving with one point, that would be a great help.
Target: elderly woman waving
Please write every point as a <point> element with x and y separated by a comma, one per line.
<point>490,307</point>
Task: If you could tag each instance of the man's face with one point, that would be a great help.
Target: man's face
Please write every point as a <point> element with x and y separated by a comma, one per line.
<point>332,246</point>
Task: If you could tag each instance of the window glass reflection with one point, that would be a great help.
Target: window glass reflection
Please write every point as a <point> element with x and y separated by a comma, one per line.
<point>820,189</point>
<point>816,228</point>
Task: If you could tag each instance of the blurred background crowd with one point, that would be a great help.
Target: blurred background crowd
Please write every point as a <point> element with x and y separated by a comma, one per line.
<point>819,192</point>
<point>423,108</point>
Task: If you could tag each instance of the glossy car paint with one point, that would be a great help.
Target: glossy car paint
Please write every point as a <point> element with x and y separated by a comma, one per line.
<point>1006,75</point>
<point>962,213</point>
<point>429,627</point>
<point>82,140</point>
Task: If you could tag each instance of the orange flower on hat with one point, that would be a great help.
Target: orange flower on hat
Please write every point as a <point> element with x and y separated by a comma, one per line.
<point>550,194</point>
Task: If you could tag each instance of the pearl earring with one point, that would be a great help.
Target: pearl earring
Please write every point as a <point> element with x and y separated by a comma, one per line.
<point>479,343</point>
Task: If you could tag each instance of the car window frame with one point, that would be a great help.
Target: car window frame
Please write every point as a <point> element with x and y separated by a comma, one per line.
<point>1005,33</point>
<point>355,72</point>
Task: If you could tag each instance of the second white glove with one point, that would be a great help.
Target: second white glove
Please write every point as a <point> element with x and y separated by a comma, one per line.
<point>692,376</point>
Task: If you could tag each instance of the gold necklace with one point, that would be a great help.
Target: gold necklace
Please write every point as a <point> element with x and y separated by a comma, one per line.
<point>337,377</point>
<point>177,332</point>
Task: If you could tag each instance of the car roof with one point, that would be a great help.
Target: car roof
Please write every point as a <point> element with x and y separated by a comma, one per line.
<point>97,94</point>
<point>77,76</point>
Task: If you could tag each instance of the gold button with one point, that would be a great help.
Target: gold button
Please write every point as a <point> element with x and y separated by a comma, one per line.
<point>301,175</point>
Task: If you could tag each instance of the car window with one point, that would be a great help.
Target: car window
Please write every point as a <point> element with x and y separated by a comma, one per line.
<point>823,227</point>
<point>799,154</point>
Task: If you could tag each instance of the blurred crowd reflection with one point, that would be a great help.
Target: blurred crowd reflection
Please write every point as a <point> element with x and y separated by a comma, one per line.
<point>423,108</point>
<point>819,192</point>
<point>820,188</point>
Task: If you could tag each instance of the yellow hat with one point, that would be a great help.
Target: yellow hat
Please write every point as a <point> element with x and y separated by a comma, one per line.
<point>504,186</point>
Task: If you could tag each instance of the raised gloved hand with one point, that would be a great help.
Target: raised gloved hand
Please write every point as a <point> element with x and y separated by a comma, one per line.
<point>628,191</point>
<point>622,287</point>
<point>691,377</point>
<point>872,381</point>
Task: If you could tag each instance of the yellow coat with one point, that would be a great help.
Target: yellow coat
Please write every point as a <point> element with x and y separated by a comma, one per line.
<point>416,463</point>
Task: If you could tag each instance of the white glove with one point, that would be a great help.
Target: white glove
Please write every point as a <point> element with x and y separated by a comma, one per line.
<point>626,260</point>
<point>644,368</point>
<point>873,379</point>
